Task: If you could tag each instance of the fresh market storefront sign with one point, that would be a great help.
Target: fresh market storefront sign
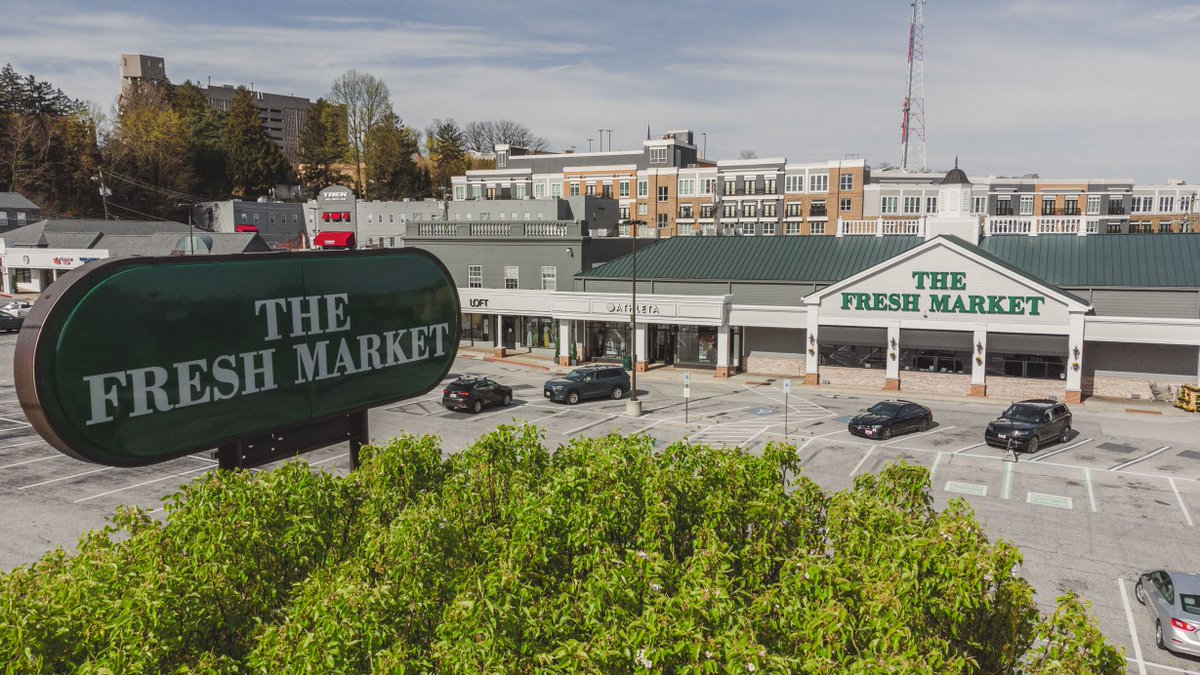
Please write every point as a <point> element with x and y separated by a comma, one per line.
<point>135,361</point>
<point>955,301</point>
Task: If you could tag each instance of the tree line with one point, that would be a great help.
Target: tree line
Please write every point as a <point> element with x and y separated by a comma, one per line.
<point>601,556</point>
<point>163,148</point>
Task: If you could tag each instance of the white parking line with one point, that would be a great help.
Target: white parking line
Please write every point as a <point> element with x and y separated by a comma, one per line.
<point>1183,506</point>
<point>1087,478</point>
<point>918,435</point>
<point>648,426</point>
<point>19,423</point>
<point>17,445</point>
<point>1139,459</point>
<point>74,475</point>
<point>31,461</point>
<point>589,424</point>
<point>830,433</point>
<point>1059,451</point>
<point>130,487</point>
<point>860,462</point>
<point>1006,489</point>
<point>756,435</point>
<point>546,417</point>
<point>969,447</point>
<point>1137,646</point>
<point>936,460</point>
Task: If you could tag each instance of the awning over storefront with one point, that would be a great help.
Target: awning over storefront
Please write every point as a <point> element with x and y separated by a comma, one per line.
<point>245,228</point>
<point>334,240</point>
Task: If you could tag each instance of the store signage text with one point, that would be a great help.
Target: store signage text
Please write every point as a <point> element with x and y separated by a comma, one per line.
<point>336,195</point>
<point>135,361</point>
<point>627,308</point>
<point>479,302</point>
<point>943,303</point>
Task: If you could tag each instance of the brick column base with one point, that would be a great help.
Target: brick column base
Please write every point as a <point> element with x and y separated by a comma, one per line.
<point>1073,396</point>
<point>978,390</point>
<point>641,366</point>
<point>564,360</point>
<point>891,384</point>
<point>722,371</point>
<point>499,352</point>
<point>812,378</point>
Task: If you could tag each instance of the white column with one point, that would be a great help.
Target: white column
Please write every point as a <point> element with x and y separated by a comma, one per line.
<point>893,347</point>
<point>640,350</point>
<point>1198,371</point>
<point>1074,362</point>
<point>722,347</point>
<point>979,356</point>
<point>499,330</point>
<point>812,343</point>
<point>566,349</point>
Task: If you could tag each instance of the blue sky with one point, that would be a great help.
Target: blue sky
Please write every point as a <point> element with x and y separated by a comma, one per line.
<point>1067,89</point>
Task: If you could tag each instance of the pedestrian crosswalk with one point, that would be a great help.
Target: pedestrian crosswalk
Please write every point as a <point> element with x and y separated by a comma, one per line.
<point>736,435</point>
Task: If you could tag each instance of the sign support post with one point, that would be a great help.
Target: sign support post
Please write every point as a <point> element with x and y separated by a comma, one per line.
<point>787,388</point>
<point>687,391</point>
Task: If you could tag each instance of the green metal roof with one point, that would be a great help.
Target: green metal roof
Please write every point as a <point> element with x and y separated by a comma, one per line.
<point>1128,260</point>
<point>1102,260</point>
<point>822,260</point>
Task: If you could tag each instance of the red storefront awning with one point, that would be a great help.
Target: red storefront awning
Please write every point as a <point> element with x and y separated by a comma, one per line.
<point>245,228</point>
<point>334,240</point>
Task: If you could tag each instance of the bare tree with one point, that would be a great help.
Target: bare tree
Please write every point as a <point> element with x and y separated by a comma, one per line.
<point>483,136</point>
<point>367,102</point>
<point>747,154</point>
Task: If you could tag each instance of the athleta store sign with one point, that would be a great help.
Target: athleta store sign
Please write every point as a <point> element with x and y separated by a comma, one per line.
<point>942,293</point>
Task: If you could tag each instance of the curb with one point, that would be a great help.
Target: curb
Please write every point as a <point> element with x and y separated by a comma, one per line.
<point>493,359</point>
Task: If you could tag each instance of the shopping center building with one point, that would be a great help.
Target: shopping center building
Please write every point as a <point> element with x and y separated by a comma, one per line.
<point>942,309</point>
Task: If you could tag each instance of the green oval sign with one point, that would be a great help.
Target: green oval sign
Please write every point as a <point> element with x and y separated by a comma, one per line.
<point>134,361</point>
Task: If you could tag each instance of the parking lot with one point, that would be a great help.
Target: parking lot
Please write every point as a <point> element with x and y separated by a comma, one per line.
<point>1121,496</point>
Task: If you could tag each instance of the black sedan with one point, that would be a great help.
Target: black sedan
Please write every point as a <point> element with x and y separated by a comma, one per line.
<point>10,322</point>
<point>887,418</point>
<point>473,393</point>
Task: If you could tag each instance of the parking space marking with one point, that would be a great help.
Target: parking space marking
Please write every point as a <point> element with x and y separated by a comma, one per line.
<point>1059,451</point>
<point>860,462</point>
<point>589,424</point>
<point>21,423</point>
<point>1139,459</point>
<point>831,433</point>
<point>1087,478</point>
<point>936,460</point>
<point>969,447</point>
<point>648,426</point>
<point>966,488</point>
<point>130,487</point>
<point>919,435</point>
<point>1183,506</point>
<point>556,413</point>
<point>31,461</point>
<point>1042,499</point>
<point>74,475</point>
<point>1006,490</point>
<point>746,444</point>
<point>1173,669</point>
<point>1137,646</point>
<point>17,445</point>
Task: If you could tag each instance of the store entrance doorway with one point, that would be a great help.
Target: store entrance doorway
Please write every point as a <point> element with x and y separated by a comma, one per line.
<point>662,344</point>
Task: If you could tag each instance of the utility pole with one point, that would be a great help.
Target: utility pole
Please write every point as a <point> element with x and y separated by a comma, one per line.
<point>103,192</point>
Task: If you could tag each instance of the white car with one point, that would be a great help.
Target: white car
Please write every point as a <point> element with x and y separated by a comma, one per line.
<point>1173,599</point>
<point>18,307</point>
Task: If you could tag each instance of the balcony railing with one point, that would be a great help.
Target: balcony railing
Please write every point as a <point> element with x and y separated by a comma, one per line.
<point>1116,210</point>
<point>493,229</point>
<point>819,211</point>
<point>879,227</point>
<point>1004,210</point>
<point>1032,226</point>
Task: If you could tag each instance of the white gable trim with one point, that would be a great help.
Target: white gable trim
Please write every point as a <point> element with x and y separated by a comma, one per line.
<point>1073,305</point>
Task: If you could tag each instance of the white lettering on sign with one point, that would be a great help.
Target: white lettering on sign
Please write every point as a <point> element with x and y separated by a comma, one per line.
<point>627,308</point>
<point>336,195</point>
<point>155,389</point>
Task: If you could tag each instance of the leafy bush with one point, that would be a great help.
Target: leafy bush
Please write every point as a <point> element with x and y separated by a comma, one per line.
<point>600,557</point>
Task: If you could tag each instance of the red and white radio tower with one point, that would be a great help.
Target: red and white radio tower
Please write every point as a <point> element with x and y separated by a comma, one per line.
<point>912,124</point>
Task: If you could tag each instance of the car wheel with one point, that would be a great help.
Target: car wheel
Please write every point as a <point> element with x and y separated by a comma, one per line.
<point>507,399</point>
<point>1158,638</point>
<point>573,398</point>
<point>924,425</point>
<point>1139,593</point>
<point>477,406</point>
<point>1065,436</point>
<point>617,393</point>
<point>887,433</point>
<point>1033,445</point>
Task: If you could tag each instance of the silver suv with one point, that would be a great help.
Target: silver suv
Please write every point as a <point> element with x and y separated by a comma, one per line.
<point>591,382</point>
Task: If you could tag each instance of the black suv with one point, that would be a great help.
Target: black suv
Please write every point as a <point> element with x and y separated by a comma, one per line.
<point>473,393</point>
<point>592,382</point>
<point>1026,425</point>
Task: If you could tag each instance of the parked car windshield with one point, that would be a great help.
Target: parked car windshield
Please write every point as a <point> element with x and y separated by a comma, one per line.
<point>1023,413</point>
<point>576,375</point>
<point>884,409</point>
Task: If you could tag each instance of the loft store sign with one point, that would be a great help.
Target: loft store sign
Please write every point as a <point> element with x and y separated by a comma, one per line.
<point>955,302</point>
<point>134,361</point>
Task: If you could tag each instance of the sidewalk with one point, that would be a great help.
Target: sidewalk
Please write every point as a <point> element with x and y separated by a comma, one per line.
<point>659,373</point>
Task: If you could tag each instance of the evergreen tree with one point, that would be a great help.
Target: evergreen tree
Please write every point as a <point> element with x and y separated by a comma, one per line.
<point>146,163</point>
<point>323,146</point>
<point>256,164</point>
<point>391,169</point>
<point>206,152</point>
<point>446,144</point>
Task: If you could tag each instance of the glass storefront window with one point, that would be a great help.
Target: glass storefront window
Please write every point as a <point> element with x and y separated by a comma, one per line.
<point>476,327</point>
<point>608,340</point>
<point>1034,366</point>
<point>538,331</point>
<point>696,345</point>
<point>852,356</point>
<point>935,360</point>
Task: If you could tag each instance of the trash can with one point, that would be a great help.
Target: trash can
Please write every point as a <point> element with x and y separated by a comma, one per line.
<point>626,363</point>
